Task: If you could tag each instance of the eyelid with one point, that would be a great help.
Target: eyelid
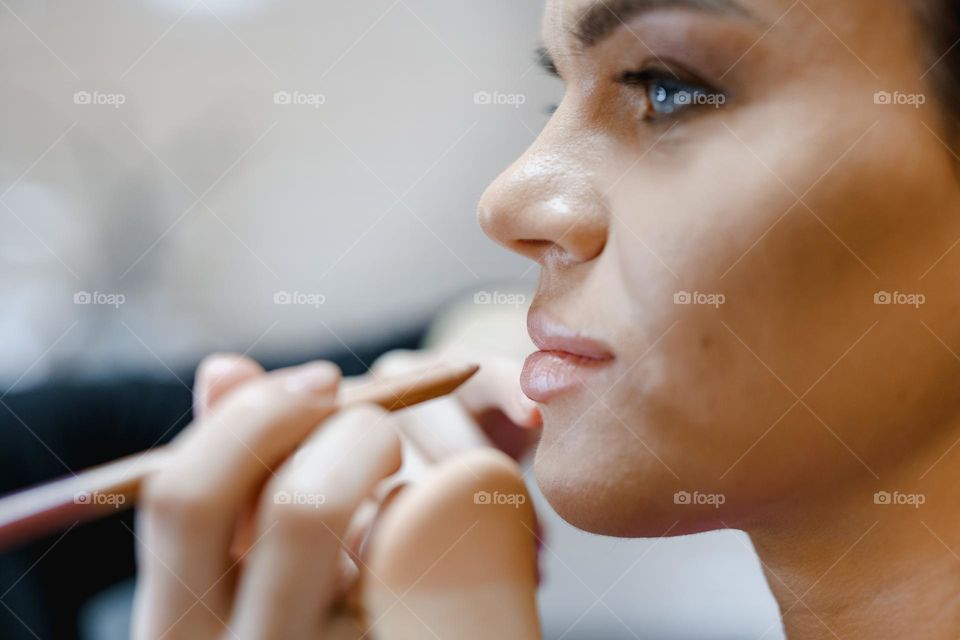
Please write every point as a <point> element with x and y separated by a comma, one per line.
<point>660,69</point>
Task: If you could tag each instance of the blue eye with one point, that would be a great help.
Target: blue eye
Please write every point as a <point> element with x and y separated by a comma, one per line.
<point>667,95</point>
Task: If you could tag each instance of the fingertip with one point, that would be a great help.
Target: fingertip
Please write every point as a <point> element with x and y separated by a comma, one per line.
<point>221,365</point>
<point>397,362</point>
<point>217,374</point>
<point>314,377</point>
<point>528,412</point>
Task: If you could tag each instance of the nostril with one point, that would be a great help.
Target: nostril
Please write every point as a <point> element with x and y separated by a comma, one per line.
<point>532,248</point>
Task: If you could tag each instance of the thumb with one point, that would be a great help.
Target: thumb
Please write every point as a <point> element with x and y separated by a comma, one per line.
<point>459,548</point>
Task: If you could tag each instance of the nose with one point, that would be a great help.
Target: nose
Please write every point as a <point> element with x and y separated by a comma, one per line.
<point>546,205</point>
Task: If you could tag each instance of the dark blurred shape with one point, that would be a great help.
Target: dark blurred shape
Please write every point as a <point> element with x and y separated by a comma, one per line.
<point>71,425</point>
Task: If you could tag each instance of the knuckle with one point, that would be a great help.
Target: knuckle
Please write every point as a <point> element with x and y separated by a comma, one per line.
<point>369,421</point>
<point>365,414</point>
<point>174,502</point>
<point>377,430</point>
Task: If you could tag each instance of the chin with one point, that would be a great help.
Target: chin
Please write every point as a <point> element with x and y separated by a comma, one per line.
<point>601,484</point>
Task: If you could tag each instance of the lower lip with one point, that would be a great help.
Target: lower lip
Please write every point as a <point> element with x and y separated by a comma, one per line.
<point>547,374</point>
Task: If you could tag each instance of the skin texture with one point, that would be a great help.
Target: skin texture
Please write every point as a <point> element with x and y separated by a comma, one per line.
<point>799,200</point>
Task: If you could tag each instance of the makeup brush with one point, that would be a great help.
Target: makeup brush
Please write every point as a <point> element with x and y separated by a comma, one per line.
<point>109,488</point>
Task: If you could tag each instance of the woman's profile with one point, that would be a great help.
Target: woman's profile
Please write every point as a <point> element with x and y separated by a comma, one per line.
<point>745,216</point>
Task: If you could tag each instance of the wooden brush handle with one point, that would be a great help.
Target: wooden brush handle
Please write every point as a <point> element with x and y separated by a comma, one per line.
<point>109,488</point>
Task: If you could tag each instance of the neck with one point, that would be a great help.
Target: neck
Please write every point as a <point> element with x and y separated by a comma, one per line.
<point>852,568</point>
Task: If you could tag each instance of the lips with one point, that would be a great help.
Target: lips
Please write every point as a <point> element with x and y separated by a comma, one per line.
<point>566,358</point>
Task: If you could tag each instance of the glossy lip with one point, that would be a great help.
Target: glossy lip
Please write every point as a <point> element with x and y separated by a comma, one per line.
<point>564,359</point>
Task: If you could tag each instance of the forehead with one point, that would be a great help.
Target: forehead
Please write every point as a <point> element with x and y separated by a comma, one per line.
<point>564,18</point>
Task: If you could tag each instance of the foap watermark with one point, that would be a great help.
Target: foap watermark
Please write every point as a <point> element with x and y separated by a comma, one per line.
<point>300,498</point>
<point>299,98</point>
<point>497,498</point>
<point>914,300</point>
<point>699,499</point>
<point>914,500</point>
<point>99,98</point>
<point>499,99</point>
<point>898,98</point>
<point>99,298</point>
<point>115,500</point>
<point>299,298</point>
<point>489,298</point>
<point>699,99</point>
<point>699,298</point>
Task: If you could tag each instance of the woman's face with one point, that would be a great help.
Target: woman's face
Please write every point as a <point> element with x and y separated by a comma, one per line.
<point>717,206</point>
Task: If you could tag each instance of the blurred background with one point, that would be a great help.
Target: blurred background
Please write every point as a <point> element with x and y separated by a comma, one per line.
<point>286,178</point>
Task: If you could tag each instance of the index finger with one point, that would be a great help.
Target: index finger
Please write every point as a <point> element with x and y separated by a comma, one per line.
<point>190,509</point>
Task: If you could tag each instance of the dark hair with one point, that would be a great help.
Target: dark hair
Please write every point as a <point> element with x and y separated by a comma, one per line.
<point>942,21</point>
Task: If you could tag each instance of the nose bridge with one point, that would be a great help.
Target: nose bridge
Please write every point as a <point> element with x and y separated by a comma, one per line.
<point>549,199</point>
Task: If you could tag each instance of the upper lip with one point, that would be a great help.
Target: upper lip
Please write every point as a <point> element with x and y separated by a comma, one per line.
<point>550,335</point>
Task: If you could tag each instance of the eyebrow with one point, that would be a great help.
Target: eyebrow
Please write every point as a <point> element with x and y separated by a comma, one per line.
<point>601,19</point>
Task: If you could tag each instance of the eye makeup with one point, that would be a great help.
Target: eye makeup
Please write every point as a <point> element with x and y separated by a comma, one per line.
<point>666,67</point>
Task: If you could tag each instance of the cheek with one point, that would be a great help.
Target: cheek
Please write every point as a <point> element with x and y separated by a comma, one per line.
<point>778,301</point>
<point>728,237</point>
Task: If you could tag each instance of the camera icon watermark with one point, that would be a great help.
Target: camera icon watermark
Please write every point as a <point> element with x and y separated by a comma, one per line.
<point>496,98</point>
<point>115,500</point>
<point>489,298</point>
<point>915,300</point>
<point>299,98</point>
<point>99,298</point>
<point>115,100</point>
<point>696,498</point>
<point>299,498</point>
<point>497,498</point>
<point>915,500</point>
<point>299,298</point>
<point>699,99</point>
<point>715,300</point>
<point>897,98</point>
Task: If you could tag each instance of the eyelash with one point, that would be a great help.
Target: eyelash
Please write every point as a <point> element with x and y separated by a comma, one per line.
<point>656,83</point>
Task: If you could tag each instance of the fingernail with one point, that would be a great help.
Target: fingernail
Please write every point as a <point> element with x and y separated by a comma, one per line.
<point>213,369</point>
<point>216,366</point>
<point>316,376</point>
